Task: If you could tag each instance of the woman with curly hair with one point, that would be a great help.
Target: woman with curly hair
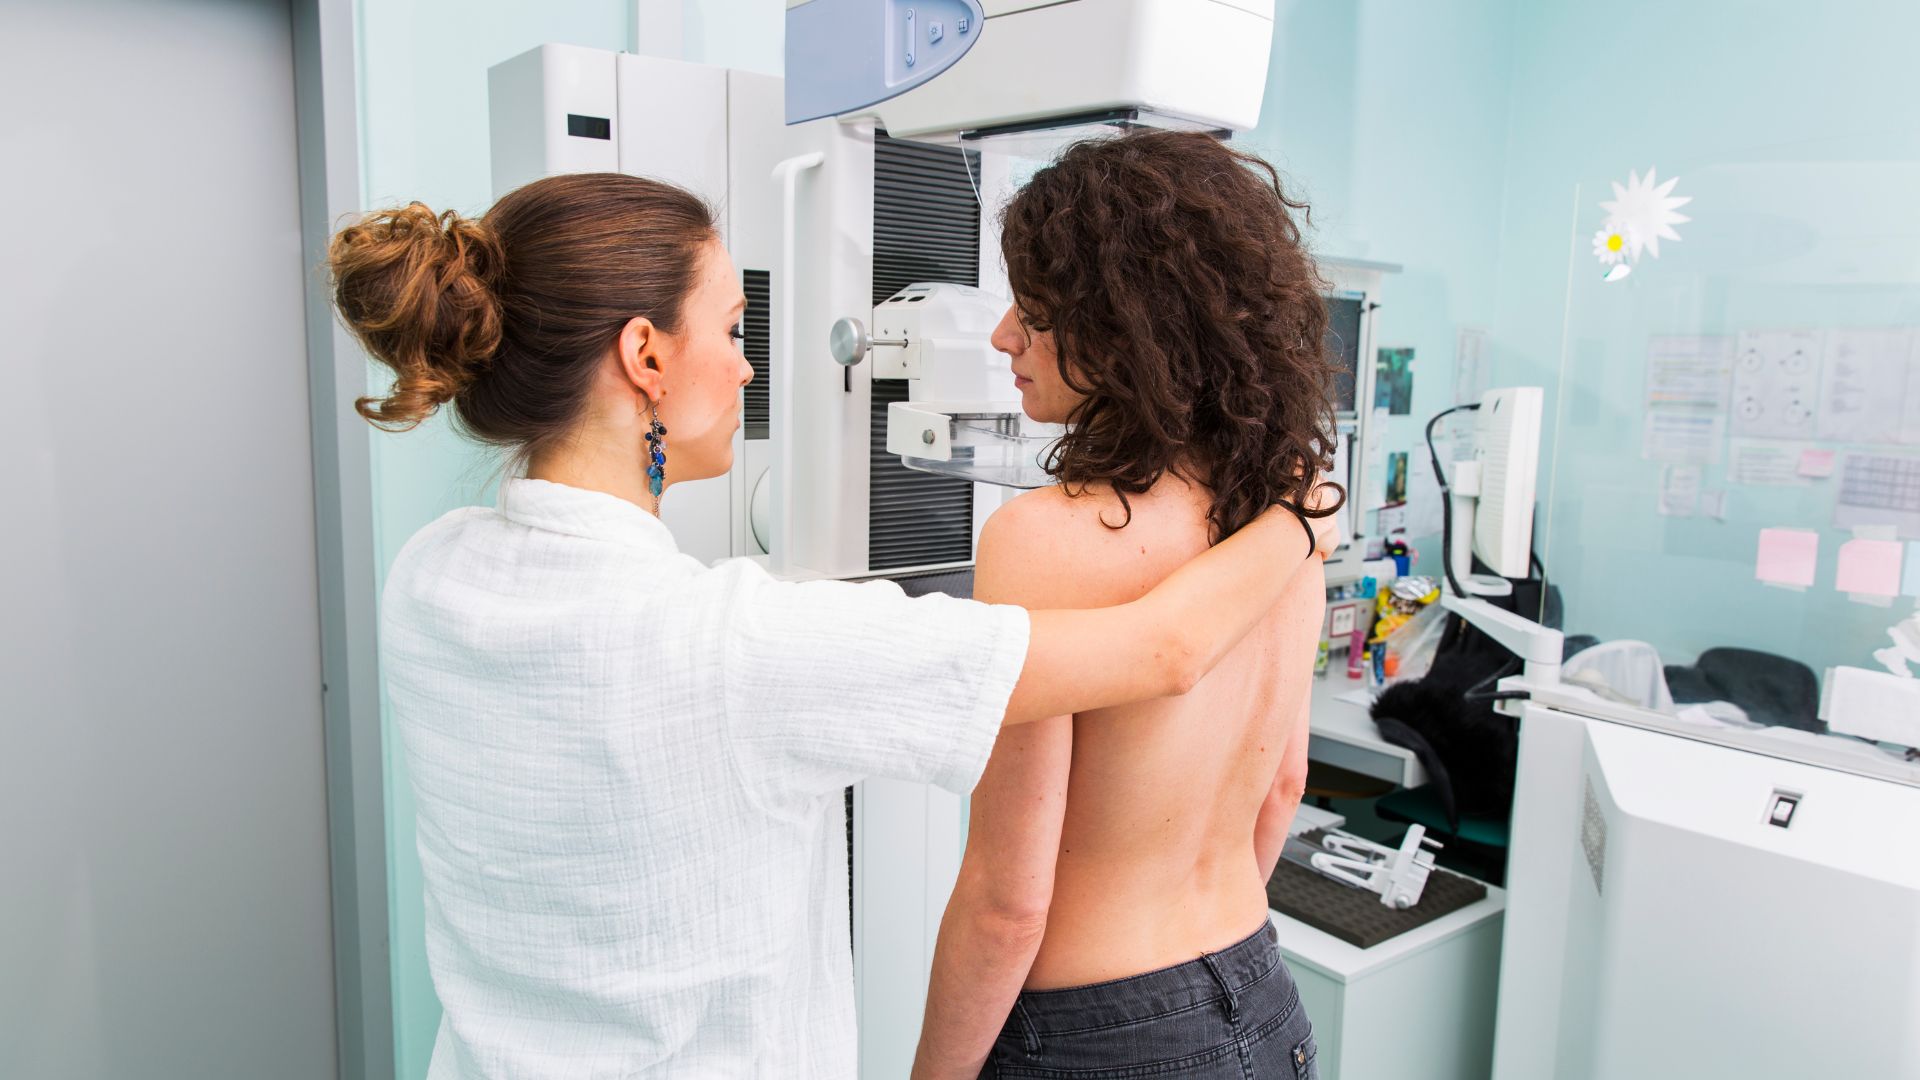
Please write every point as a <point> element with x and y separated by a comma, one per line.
<point>1111,908</point>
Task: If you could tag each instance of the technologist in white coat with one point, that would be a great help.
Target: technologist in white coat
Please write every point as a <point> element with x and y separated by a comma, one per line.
<point>627,765</point>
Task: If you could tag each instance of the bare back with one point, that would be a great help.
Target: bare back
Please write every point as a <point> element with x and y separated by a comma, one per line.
<point>1156,862</point>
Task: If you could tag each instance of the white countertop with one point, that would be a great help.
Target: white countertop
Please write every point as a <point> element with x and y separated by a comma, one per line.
<point>1344,734</point>
<point>1344,962</point>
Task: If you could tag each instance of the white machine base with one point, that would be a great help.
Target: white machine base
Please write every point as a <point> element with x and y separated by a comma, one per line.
<point>1680,908</point>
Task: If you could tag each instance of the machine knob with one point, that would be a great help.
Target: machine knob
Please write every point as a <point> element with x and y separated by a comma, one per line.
<point>849,343</point>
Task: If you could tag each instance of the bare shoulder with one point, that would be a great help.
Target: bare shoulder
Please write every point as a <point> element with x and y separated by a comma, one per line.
<point>1047,511</point>
<point>1050,549</point>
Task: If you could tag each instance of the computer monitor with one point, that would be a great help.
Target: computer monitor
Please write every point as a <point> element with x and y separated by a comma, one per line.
<point>1346,313</point>
<point>1507,450</point>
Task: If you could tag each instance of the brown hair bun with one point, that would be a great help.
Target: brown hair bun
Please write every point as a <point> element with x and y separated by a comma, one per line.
<point>510,317</point>
<point>417,289</point>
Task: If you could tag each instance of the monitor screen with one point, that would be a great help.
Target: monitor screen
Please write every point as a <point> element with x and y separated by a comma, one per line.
<point>1344,312</point>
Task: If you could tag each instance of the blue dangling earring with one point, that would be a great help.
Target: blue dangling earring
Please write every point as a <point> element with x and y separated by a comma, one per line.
<point>656,456</point>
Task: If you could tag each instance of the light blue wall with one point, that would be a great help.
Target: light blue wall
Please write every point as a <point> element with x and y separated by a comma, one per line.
<point>1391,117</point>
<point>749,35</point>
<point>1450,138</point>
<point>1751,104</point>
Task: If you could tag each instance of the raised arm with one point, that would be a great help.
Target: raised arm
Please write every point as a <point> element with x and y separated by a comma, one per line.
<point>1166,641</point>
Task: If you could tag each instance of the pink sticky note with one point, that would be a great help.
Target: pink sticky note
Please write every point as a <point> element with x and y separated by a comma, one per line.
<point>1816,463</point>
<point>1869,567</point>
<point>1787,556</point>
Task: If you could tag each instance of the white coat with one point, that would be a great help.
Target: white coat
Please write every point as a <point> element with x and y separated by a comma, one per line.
<point>627,769</point>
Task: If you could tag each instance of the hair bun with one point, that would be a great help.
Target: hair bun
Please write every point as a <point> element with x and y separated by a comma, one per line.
<point>417,289</point>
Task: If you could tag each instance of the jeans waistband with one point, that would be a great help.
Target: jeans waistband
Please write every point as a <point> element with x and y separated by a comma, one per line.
<point>1211,978</point>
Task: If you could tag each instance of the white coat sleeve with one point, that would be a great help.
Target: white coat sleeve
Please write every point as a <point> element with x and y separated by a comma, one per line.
<point>830,682</point>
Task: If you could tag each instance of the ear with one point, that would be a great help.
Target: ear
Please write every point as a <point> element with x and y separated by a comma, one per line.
<point>638,351</point>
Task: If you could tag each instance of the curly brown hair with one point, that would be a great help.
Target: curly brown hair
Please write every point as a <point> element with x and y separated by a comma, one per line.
<point>1187,313</point>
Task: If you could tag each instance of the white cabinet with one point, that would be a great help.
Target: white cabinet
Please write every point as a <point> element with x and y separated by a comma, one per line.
<point>1417,1007</point>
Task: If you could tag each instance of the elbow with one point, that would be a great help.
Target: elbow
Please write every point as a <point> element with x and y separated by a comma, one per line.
<point>1290,786</point>
<point>1184,660</point>
<point>1004,919</point>
<point>1013,929</point>
<point>1019,914</point>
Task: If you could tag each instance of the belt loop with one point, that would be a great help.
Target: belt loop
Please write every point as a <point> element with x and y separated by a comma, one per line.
<point>1233,1004</point>
<point>1027,1031</point>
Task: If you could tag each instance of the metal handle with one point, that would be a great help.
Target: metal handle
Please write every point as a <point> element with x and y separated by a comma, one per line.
<point>849,343</point>
<point>787,175</point>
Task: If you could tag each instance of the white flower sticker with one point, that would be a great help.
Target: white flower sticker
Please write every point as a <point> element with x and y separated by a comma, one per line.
<point>1643,211</point>
<point>1610,246</point>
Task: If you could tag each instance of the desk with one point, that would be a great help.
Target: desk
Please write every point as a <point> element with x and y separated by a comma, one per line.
<point>1341,733</point>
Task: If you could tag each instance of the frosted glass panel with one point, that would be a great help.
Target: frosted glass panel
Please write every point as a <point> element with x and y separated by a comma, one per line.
<point>1744,406</point>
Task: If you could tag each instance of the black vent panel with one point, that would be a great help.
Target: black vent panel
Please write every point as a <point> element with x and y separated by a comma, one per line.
<point>926,227</point>
<point>926,219</point>
<point>756,324</point>
<point>914,518</point>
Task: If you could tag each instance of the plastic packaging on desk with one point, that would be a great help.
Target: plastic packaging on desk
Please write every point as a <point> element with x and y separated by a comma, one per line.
<point>1415,641</point>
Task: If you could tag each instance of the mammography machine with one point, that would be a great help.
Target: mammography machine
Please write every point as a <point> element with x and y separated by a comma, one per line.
<point>881,428</point>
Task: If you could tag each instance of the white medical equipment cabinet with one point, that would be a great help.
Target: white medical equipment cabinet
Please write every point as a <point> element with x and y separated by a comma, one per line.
<point>873,278</point>
<point>1688,903</point>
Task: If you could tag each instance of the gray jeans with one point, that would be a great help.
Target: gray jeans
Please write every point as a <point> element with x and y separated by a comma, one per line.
<point>1235,1013</point>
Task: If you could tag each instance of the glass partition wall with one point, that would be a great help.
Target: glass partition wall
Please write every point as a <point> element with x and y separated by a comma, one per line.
<point>1730,459</point>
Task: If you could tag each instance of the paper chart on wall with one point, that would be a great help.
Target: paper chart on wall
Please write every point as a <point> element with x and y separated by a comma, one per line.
<point>1374,453</point>
<point>1765,463</point>
<point>1879,489</point>
<point>1679,490</point>
<point>1686,395</point>
<point>1393,519</point>
<point>1469,367</point>
<point>1864,385</point>
<point>1423,493</point>
<point>1910,416</point>
<point>1776,383</point>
